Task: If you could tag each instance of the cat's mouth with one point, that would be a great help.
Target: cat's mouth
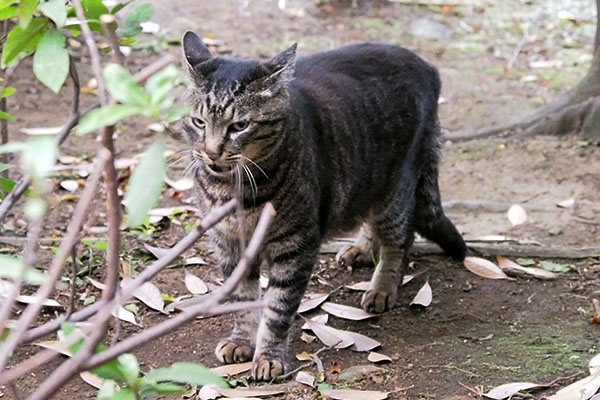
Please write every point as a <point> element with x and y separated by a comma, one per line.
<point>220,169</point>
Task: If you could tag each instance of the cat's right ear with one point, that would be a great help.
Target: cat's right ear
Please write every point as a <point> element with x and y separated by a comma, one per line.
<point>194,50</point>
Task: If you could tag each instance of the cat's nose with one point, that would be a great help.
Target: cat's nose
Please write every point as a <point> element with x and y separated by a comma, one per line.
<point>213,156</point>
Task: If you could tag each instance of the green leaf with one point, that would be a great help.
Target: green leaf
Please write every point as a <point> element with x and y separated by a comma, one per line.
<point>107,390</point>
<point>6,92</point>
<point>123,87</point>
<point>106,116</point>
<point>131,25</point>
<point>7,3</point>
<point>26,11</point>
<point>4,115</point>
<point>129,368</point>
<point>8,12</point>
<point>156,389</point>
<point>175,114</point>
<point>12,268</point>
<point>553,267</point>
<point>51,60</point>
<point>7,185</point>
<point>119,7</point>
<point>21,42</point>
<point>4,167</point>
<point>68,329</point>
<point>146,183</point>
<point>525,261</point>
<point>93,9</point>
<point>109,370</point>
<point>189,373</point>
<point>124,394</point>
<point>55,10</point>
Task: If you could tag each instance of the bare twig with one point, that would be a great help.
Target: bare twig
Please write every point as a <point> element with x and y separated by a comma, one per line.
<point>30,252</point>
<point>73,288</point>
<point>108,21</point>
<point>57,263</point>
<point>82,360</point>
<point>314,356</point>
<point>102,309</point>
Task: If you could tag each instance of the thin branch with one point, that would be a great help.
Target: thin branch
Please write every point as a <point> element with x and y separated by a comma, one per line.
<point>82,360</point>
<point>108,21</point>
<point>101,309</point>
<point>55,269</point>
<point>597,37</point>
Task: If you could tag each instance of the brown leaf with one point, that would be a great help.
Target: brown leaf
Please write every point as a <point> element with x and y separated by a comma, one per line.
<point>304,356</point>
<point>424,296</point>
<point>232,369</point>
<point>91,379</point>
<point>510,266</point>
<point>321,318</point>
<point>360,286</point>
<point>349,394</point>
<point>346,312</point>
<point>312,301</point>
<point>484,268</point>
<point>32,299</point>
<point>377,357</point>
<point>156,251</point>
<point>150,295</point>
<point>306,338</point>
<point>334,368</point>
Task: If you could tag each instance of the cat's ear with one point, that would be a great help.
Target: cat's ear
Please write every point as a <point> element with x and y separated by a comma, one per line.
<point>283,62</point>
<point>194,50</point>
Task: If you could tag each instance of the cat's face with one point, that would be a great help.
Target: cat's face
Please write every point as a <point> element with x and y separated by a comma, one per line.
<point>238,107</point>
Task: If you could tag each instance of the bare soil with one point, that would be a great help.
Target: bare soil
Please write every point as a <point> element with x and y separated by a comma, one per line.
<point>477,333</point>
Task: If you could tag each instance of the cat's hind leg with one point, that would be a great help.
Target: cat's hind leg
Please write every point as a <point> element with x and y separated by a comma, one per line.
<point>394,229</point>
<point>239,346</point>
<point>362,252</point>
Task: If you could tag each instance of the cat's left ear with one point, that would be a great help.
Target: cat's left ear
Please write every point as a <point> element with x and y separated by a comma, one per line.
<point>281,67</point>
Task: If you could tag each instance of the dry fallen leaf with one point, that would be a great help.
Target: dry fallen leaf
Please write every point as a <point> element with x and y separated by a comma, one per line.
<point>168,211</point>
<point>424,296</point>
<point>304,356</point>
<point>583,389</point>
<point>596,304</point>
<point>377,357</point>
<point>360,286</point>
<point>91,379</point>
<point>181,185</point>
<point>70,185</point>
<point>346,312</point>
<point>330,336</point>
<point>124,315</point>
<point>32,299</point>
<point>254,392</point>
<point>195,261</point>
<point>156,251</point>
<point>484,268</point>
<point>306,338</point>
<point>232,369</point>
<point>334,367</point>
<point>56,345</point>
<point>509,389</point>
<point>510,266</point>
<point>305,378</point>
<point>194,284</point>
<point>150,295</point>
<point>349,394</point>
<point>516,215</point>
<point>568,203</point>
<point>321,318</point>
<point>312,301</point>
<point>362,342</point>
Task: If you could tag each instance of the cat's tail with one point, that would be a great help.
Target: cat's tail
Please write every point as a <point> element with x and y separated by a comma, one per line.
<point>430,220</point>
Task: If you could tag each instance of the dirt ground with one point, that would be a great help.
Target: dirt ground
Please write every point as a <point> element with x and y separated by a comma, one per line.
<point>477,333</point>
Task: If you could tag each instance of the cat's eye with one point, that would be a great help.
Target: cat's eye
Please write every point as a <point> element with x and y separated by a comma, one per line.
<point>198,123</point>
<point>239,126</point>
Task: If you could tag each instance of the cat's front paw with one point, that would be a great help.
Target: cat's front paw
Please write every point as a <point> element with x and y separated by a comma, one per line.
<point>230,351</point>
<point>378,301</point>
<point>353,256</point>
<point>266,368</point>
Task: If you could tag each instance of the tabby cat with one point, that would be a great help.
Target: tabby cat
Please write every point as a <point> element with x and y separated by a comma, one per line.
<point>333,140</point>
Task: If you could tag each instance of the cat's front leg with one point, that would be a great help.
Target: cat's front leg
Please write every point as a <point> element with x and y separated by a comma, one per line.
<point>288,278</point>
<point>239,346</point>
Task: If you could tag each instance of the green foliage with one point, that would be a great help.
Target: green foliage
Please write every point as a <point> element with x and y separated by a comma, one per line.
<point>26,11</point>
<point>51,60</point>
<point>21,42</point>
<point>55,10</point>
<point>190,373</point>
<point>12,268</point>
<point>105,116</point>
<point>131,26</point>
<point>123,87</point>
<point>146,183</point>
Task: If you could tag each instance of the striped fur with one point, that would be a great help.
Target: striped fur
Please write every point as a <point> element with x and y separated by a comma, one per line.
<point>333,140</point>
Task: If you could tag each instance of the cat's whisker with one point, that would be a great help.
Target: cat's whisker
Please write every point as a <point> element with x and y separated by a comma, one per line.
<point>256,165</point>
<point>251,179</point>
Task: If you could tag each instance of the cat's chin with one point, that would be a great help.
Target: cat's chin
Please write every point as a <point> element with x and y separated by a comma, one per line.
<point>220,171</point>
